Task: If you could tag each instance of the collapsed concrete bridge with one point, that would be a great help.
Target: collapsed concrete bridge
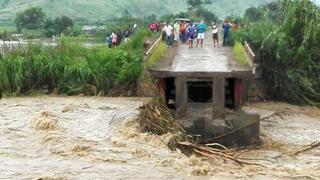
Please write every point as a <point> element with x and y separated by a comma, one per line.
<point>206,87</point>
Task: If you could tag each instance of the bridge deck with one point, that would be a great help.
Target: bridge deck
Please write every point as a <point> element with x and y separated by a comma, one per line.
<point>200,61</point>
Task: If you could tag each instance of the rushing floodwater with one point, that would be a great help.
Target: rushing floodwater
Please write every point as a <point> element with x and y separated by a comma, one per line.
<point>84,138</point>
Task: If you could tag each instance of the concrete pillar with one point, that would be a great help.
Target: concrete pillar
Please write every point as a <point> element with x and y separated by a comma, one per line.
<point>238,94</point>
<point>181,97</point>
<point>218,97</point>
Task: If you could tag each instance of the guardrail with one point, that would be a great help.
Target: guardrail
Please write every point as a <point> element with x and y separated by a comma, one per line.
<point>252,57</point>
<point>150,50</point>
<point>249,50</point>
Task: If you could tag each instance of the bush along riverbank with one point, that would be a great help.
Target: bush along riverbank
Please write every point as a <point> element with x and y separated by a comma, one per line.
<point>71,69</point>
<point>286,37</point>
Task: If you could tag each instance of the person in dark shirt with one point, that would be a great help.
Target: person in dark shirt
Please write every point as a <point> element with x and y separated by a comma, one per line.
<point>226,32</point>
<point>191,33</point>
<point>126,36</point>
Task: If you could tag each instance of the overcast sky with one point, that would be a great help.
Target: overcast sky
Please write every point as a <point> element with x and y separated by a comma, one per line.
<point>317,1</point>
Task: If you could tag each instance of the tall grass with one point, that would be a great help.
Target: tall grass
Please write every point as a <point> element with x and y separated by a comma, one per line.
<point>240,53</point>
<point>157,54</point>
<point>71,68</point>
<point>289,50</point>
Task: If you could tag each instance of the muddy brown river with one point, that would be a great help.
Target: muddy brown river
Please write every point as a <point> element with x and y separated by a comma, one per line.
<point>96,138</point>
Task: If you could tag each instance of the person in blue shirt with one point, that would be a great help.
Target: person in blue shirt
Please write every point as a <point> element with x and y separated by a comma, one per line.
<point>109,41</point>
<point>226,32</point>
<point>201,29</point>
<point>191,33</point>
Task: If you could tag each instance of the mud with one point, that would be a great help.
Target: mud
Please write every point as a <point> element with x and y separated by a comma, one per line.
<point>97,138</point>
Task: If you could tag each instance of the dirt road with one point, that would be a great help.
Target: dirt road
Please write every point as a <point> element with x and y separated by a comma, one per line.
<point>84,138</point>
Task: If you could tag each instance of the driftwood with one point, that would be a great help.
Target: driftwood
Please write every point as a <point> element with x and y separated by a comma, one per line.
<point>224,154</point>
<point>259,92</point>
<point>309,147</point>
<point>156,118</point>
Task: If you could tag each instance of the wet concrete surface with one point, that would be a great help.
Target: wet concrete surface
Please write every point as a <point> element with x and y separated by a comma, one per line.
<point>208,59</point>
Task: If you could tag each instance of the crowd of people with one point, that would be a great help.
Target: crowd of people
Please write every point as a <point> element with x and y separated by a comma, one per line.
<point>183,31</point>
<point>188,32</point>
<point>115,39</point>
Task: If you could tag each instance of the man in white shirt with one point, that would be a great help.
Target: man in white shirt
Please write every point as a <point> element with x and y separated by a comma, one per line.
<point>176,28</point>
<point>215,35</point>
<point>168,29</point>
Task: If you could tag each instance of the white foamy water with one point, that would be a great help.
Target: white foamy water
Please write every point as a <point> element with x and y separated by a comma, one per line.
<point>96,138</point>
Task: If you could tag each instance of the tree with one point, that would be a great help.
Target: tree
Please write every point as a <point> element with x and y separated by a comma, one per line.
<point>32,18</point>
<point>207,15</point>
<point>253,14</point>
<point>49,27</point>
<point>58,25</point>
<point>63,24</point>
<point>287,40</point>
<point>196,4</point>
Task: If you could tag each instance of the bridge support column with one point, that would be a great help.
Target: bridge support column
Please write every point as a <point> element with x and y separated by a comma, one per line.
<point>238,94</point>
<point>181,97</point>
<point>218,97</point>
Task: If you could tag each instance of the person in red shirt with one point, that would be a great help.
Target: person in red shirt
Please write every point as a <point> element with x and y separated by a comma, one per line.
<point>153,26</point>
<point>183,36</point>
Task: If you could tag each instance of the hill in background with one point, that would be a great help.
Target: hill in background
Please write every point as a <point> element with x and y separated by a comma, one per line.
<point>95,10</point>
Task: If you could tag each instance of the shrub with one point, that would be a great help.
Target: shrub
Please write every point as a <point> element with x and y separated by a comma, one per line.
<point>71,68</point>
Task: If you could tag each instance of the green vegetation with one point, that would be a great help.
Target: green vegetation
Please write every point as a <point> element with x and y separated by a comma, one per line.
<point>34,19</point>
<point>240,54</point>
<point>117,26</point>
<point>71,69</point>
<point>286,39</point>
<point>31,18</point>
<point>59,25</point>
<point>196,12</point>
<point>157,54</point>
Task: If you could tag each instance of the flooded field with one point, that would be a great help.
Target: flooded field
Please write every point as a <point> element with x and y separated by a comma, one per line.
<point>96,138</point>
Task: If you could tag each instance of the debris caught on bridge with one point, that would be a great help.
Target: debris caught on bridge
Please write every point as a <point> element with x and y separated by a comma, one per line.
<point>221,154</point>
<point>156,118</point>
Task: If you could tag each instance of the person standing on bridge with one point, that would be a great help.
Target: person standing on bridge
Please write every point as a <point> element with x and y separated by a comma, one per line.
<point>226,32</point>
<point>153,26</point>
<point>176,31</point>
<point>215,35</point>
<point>182,33</point>
<point>168,29</point>
<point>201,29</point>
<point>191,32</point>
